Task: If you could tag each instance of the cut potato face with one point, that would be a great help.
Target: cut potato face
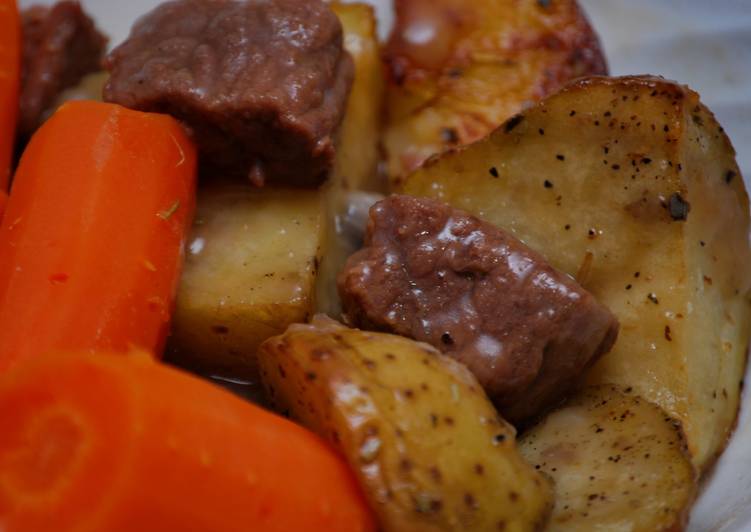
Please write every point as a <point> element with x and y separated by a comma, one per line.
<point>617,461</point>
<point>358,149</point>
<point>630,185</point>
<point>249,272</point>
<point>458,69</point>
<point>417,429</point>
<point>256,256</point>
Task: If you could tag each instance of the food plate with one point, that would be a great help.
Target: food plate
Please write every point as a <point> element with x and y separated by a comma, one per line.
<point>705,45</point>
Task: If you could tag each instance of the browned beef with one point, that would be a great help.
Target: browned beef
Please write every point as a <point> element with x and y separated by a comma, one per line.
<point>263,85</point>
<point>439,275</point>
<point>61,45</point>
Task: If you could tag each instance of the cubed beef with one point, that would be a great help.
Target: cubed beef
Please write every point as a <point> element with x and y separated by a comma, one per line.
<point>442,276</point>
<point>263,85</point>
<point>61,45</point>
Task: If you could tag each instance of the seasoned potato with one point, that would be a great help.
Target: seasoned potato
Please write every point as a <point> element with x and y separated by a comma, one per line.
<point>249,272</point>
<point>458,69</point>
<point>358,149</point>
<point>630,185</point>
<point>618,464</point>
<point>417,429</point>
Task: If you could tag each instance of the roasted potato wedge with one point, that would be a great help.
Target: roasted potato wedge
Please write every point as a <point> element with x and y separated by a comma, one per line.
<point>358,151</point>
<point>458,69</point>
<point>249,272</point>
<point>417,429</point>
<point>631,185</point>
<point>617,461</point>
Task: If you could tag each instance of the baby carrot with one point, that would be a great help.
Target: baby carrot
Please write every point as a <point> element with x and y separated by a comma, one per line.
<point>91,240</point>
<point>116,443</point>
<point>10,75</point>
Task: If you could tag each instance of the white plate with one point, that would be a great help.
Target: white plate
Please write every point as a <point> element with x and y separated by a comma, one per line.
<point>706,45</point>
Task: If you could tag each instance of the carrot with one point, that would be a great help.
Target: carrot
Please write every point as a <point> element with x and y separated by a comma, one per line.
<point>10,76</point>
<point>91,240</point>
<point>3,203</point>
<point>103,442</point>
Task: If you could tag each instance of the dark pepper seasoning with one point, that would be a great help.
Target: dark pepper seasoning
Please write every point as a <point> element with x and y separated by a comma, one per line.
<point>512,123</point>
<point>449,135</point>
<point>678,207</point>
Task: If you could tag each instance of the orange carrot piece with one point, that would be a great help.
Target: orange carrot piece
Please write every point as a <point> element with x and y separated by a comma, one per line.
<point>10,76</point>
<point>3,203</point>
<point>104,442</point>
<point>92,237</point>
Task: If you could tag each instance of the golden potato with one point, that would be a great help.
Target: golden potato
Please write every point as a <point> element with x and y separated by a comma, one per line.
<point>631,185</point>
<point>617,461</point>
<point>259,266</point>
<point>358,152</point>
<point>249,272</point>
<point>417,429</point>
<point>458,69</point>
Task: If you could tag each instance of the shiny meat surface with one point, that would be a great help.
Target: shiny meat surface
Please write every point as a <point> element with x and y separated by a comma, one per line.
<point>439,275</point>
<point>263,85</point>
<point>61,45</point>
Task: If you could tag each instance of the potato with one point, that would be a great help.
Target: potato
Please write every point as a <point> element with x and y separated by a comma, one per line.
<point>458,69</point>
<point>261,258</point>
<point>89,88</point>
<point>249,272</point>
<point>416,428</point>
<point>358,151</point>
<point>618,464</point>
<point>631,185</point>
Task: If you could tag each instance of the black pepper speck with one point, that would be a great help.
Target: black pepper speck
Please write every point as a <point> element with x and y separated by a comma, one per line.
<point>449,135</point>
<point>678,207</point>
<point>512,123</point>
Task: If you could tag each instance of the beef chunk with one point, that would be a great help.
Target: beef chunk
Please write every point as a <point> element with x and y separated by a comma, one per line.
<point>61,45</point>
<point>439,275</point>
<point>263,85</point>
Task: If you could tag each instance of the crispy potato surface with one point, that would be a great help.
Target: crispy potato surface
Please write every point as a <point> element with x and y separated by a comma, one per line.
<point>458,69</point>
<point>630,185</point>
<point>249,272</point>
<point>617,461</point>
<point>417,429</point>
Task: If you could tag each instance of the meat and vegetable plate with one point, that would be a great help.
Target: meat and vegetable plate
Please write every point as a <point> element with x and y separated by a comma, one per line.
<point>261,271</point>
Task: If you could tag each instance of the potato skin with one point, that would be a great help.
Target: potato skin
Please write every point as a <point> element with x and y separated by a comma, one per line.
<point>424,441</point>
<point>617,461</point>
<point>484,61</point>
<point>630,185</point>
